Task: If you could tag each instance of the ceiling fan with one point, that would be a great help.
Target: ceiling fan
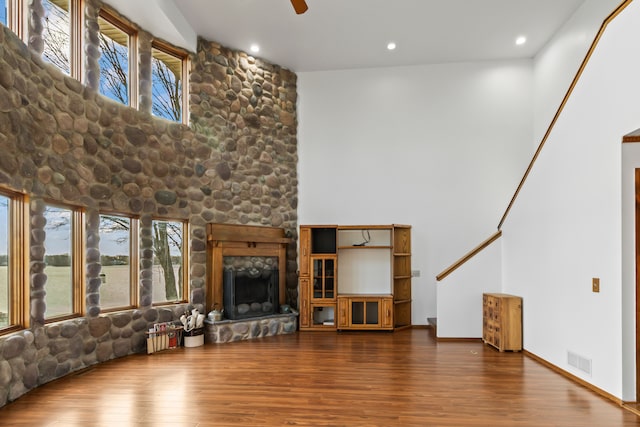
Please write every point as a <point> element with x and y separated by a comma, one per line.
<point>300,6</point>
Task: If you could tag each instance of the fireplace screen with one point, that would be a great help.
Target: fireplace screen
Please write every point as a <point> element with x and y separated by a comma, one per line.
<point>250,287</point>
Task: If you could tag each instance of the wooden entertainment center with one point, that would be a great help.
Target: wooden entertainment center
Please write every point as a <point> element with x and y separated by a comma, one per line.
<point>355,277</point>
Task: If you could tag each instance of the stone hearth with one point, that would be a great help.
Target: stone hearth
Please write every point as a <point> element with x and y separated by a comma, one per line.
<point>245,329</point>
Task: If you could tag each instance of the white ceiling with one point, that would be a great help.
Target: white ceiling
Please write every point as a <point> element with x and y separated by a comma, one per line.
<point>347,34</point>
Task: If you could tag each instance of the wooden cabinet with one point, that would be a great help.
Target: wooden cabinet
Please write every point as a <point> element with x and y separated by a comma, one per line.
<point>502,321</point>
<point>355,277</point>
<point>304,302</point>
<point>365,312</point>
<point>305,251</point>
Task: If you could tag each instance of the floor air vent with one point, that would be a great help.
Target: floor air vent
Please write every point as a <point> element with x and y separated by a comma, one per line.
<point>581,363</point>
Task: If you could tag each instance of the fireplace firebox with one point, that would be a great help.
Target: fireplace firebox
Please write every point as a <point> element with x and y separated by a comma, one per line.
<point>250,292</point>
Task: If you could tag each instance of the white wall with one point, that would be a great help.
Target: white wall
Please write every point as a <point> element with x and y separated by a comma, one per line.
<point>460,293</point>
<point>558,62</point>
<point>565,227</point>
<point>439,147</point>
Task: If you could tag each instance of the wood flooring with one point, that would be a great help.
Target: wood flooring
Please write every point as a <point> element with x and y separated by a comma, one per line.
<point>404,378</point>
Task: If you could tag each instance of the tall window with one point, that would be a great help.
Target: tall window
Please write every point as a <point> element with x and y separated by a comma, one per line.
<point>117,46</point>
<point>12,16</point>
<point>169,252</point>
<point>3,13</point>
<point>61,35</point>
<point>168,70</point>
<point>56,34</point>
<point>5,291</point>
<point>118,249</point>
<point>13,266</point>
<point>63,262</point>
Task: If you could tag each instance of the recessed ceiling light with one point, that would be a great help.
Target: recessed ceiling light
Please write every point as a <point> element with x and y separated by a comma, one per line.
<point>521,40</point>
<point>391,46</point>
<point>255,48</point>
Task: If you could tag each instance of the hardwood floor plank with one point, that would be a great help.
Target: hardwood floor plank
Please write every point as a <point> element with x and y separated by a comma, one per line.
<point>404,378</point>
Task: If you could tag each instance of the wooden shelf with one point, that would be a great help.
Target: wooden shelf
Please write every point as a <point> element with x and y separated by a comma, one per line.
<point>375,277</point>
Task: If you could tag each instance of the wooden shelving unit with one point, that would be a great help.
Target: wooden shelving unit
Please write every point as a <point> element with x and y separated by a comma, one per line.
<point>342,277</point>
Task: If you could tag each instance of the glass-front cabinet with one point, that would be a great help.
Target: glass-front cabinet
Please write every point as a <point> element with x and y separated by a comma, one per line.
<point>324,278</point>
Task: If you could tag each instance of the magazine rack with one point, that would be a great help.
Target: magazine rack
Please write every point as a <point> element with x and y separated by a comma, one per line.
<point>163,337</point>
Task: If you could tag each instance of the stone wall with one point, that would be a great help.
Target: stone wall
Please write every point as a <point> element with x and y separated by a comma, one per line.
<point>62,141</point>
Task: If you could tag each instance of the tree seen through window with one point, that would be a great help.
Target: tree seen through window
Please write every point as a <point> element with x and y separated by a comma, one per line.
<point>56,34</point>
<point>166,85</point>
<point>114,62</point>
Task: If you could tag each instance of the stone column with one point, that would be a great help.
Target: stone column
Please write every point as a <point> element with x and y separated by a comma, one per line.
<point>146,262</point>
<point>92,44</point>
<point>93,265</point>
<point>198,267</point>
<point>144,72</point>
<point>37,265</point>
<point>36,14</point>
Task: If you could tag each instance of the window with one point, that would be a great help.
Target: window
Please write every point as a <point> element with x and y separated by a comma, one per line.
<point>13,266</point>
<point>169,259</point>
<point>3,13</point>
<point>12,16</point>
<point>5,292</point>
<point>168,68</point>
<point>63,262</point>
<point>61,35</point>
<point>117,70</point>
<point>118,256</point>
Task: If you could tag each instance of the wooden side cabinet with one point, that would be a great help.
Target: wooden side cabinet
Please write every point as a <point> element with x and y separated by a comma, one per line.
<point>365,312</point>
<point>502,321</point>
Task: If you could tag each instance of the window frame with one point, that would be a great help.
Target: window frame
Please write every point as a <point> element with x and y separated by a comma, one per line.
<point>112,18</point>
<point>183,56</point>
<point>76,43</point>
<point>17,18</point>
<point>134,263</point>
<point>78,268</point>
<point>18,247</point>
<point>185,262</point>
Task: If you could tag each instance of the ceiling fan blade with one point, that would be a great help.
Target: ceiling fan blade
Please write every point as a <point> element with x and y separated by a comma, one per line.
<point>300,6</point>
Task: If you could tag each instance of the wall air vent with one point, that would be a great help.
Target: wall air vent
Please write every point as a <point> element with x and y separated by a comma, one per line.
<point>581,363</point>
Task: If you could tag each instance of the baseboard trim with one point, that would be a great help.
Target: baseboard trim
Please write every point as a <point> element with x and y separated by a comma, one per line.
<point>420,326</point>
<point>574,378</point>
<point>454,339</point>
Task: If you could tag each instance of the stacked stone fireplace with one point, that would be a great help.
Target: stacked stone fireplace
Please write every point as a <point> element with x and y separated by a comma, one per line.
<point>247,280</point>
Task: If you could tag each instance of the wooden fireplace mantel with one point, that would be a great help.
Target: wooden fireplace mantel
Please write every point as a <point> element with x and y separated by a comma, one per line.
<point>242,240</point>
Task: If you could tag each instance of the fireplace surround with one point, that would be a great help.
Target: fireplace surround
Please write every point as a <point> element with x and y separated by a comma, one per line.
<point>264,249</point>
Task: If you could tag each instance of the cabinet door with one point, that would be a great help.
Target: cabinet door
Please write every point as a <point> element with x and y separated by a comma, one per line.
<point>372,312</point>
<point>304,303</point>
<point>305,250</point>
<point>364,312</point>
<point>343,312</point>
<point>387,313</point>
<point>324,278</point>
